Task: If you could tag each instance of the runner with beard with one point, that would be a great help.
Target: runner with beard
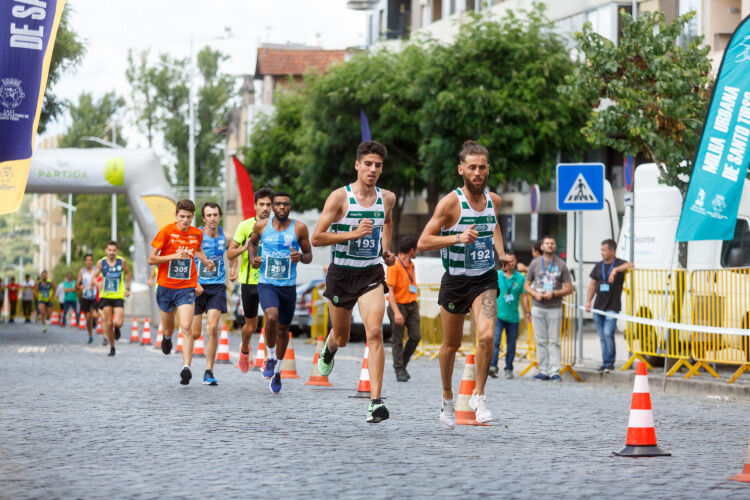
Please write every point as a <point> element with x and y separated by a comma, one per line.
<point>359,216</point>
<point>464,228</point>
<point>284,242</point>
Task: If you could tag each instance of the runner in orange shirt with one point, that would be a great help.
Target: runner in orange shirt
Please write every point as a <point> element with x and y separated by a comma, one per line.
<point>173,251</point>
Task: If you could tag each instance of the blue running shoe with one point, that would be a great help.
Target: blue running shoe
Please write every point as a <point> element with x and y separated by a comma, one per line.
<point>208,378</point>
<point>276,383</point>
<point>270,368</point>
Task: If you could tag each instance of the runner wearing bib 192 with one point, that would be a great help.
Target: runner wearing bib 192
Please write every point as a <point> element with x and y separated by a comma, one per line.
<point>464,228</point>
<point>174,249</point>
<point>359,217</point>
<point>281,239</point>
<point>115,286</point>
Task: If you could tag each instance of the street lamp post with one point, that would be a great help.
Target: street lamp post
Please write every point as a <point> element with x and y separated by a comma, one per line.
<point>70,208</point>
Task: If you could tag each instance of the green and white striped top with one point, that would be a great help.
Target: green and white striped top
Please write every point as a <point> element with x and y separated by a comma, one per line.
<point>476,258</point>
<point>366,251</point>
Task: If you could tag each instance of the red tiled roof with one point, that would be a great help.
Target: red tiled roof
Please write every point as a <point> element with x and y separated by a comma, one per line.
<point>284,62</point>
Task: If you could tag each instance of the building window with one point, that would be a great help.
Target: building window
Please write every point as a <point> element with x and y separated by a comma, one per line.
<point>381,23</point>
<point>690,31</point>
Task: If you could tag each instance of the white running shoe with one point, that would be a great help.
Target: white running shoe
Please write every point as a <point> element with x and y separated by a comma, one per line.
<point>479,405</point>
<point>448,415</point>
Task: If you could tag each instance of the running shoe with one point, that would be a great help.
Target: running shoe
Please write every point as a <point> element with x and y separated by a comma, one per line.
<point>111,351</point>
<point>276,383</point>
<point>118,334</point>
<point>185,375</point>
<point>377,411</point>
<point>479,405</point>
<point>44,329</point>
<point>166,345</point>
<point>508,373</point>
<point>493,371</point>
<point>325,360</point>
<point>541,376</point>
<point>104,342</point>
<point>270,368</point>
<point>555,378</point>
<point>91,340</point>
<point>208,378</point>
<point>448,415</point>
<point>244,361</point>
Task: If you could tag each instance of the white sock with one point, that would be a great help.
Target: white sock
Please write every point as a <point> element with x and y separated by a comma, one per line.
<point>168,337</point>
<point>186,366</point>
<point>272,352</point>
<point>277,369</point>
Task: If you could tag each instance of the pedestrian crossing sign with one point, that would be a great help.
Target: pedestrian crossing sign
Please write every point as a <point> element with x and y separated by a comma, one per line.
<point>580,186</point>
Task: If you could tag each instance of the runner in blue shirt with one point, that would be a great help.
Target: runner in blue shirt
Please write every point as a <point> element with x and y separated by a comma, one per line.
<point>285,242</point>
<point>211,293</point>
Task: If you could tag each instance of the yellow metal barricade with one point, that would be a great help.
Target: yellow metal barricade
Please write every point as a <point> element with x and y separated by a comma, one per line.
<point>429,319</point>
<point>531,351</point>
<point>656,294</point>
<point>319,315</point>
<point>720,298</point>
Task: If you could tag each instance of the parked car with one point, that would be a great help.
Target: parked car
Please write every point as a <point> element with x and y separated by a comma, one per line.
<point>302,321</point>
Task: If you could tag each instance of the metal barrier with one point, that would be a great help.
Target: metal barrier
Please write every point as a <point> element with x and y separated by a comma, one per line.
<point>431,326</point>
<point>319,315</point>
<point>720,298</point>
<point>659,295</point>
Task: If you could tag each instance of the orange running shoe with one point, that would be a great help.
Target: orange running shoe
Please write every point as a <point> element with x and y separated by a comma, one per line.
<point>244,361</point>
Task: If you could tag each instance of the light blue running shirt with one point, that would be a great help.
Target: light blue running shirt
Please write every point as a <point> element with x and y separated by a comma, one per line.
<point>277,268</point>
<point>214,249</point>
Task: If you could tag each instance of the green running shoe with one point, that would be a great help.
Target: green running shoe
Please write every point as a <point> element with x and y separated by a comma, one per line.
<point>325,360</point>
<point>377,411</point>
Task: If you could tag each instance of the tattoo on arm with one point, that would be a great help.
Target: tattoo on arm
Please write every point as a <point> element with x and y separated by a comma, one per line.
<point>489,305</point>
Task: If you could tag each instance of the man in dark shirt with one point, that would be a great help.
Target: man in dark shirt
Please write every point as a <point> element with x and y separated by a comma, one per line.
<point>607,279</point>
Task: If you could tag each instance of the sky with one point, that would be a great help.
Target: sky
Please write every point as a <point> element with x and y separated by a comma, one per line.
<point>111,27</point>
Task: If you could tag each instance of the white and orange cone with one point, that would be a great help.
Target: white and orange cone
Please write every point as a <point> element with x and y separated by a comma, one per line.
<point>179,342</point>
<point>315,377</point>
<point>641,439</point>
<point>289,364</point>
<point>73,319</point>
<point>134,335</point>
<point>82,321</point>
<point>99,327</point>
<point>199,346</point>
<point>464,414</point>
<point>261,355</point>
<point>744,476</point>
<point>146,339</point>
<point>363,389</point>
<point>55,318</point>
<point>159,337</point>
<point>222,354</point>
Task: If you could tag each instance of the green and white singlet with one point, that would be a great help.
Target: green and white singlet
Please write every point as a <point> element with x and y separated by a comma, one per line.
<point>476,258</point>
<point>365,251</point>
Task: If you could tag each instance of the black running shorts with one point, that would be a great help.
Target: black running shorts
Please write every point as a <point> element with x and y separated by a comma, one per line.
<point>250,300</point>
<point>457,293</point>
<point>344,286</point>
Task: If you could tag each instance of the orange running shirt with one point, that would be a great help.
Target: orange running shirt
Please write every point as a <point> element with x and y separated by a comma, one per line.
<point>401,278</point>
<point>179,273</point>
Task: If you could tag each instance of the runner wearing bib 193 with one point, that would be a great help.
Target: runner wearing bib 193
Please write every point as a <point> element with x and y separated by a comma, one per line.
<point>115,286</point>
<point>282,239</point>
<point>174,249</point>
<point>43,294</point>
<point>359,216</point>
<point>248,274</point>
<point>212,289</point>
<point>464,228</point>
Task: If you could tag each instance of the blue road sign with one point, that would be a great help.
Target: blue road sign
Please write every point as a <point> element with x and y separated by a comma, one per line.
<point>628,170</point>
<point>580,186</point>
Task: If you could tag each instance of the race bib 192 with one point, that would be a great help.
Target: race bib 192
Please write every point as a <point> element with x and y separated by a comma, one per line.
<point>479,254</point>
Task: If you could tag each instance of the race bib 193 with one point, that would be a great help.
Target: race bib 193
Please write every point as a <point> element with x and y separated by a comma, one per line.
<point>367,246</point>
<point>479,254</point>
<point>180,269</point>
<point>278,268</point>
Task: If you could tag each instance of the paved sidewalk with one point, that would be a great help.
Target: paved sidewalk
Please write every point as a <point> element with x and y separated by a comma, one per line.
<point>76,424</point>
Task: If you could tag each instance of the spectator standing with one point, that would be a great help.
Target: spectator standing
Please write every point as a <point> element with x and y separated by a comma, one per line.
<point>607,279</point>
<point>403,308</point>
<point>547,282</point>
<point>27,297</point>
<point>511,284</point>
<point>12,299</point>
<point>70,299</point>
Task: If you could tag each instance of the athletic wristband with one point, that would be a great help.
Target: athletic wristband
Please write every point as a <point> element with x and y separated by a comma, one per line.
<point>458,238</point>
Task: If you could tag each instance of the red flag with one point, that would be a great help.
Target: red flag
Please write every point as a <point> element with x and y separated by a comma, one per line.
<point>245,185</point>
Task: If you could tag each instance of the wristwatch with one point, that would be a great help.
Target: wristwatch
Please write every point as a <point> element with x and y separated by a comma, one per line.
<point>458,238</point>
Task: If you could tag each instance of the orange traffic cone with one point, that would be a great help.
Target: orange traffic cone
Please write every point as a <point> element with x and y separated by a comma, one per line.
<point>179,342</point>
<point>134,336</point>
<point>159,337</point>
<point>744,476</point>
<point>82,321</point>
<point>363,389</point>
<point>222,355</point>
<point>261,355</point>
<point>641,439</point>
<point>73,320</point>
<point>99,327</point>
<point>199,347</point>
<point>289,364</point>
<point>146,340</point>
<point>315,377</point>
<point>55,318</point>
<point>464,414</point>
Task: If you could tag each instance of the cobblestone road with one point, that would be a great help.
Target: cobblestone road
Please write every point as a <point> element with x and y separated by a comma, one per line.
<point>76,424</point>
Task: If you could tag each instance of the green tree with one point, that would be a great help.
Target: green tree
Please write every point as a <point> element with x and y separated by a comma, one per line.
<point>499,83</point>
<point>160,95</point>
<point>92,219</point>
<point>648,94</point>
<point>66,55</point>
